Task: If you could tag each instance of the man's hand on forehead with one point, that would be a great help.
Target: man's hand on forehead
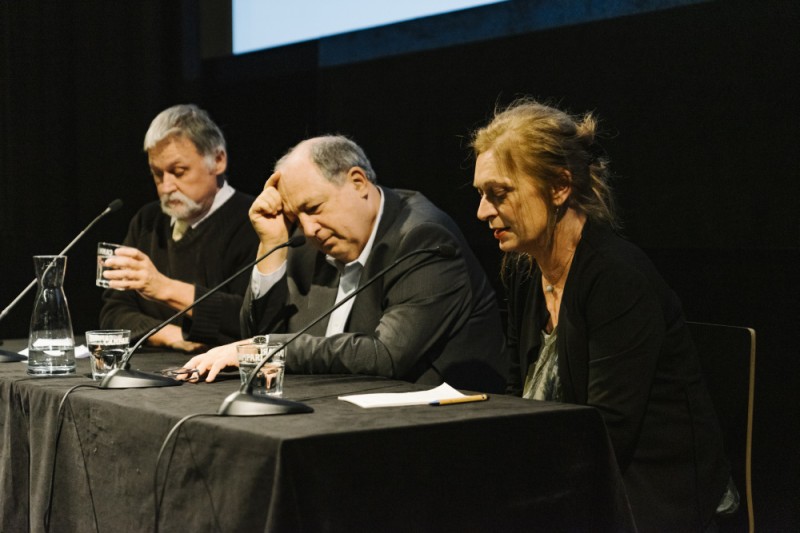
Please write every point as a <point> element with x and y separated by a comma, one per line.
<point>274,181</point>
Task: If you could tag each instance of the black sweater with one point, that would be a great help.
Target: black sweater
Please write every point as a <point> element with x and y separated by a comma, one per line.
<point>204,257</point>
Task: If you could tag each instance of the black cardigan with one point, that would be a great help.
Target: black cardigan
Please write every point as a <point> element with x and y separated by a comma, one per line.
<point>624,348</point>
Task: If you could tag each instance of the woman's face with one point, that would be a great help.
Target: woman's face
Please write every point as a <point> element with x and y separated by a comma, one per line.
<point>515,209</point>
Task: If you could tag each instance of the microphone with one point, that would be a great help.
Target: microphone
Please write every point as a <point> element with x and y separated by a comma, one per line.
<point>244,403</point>
<point>6,357</point>
<point>125,378</point>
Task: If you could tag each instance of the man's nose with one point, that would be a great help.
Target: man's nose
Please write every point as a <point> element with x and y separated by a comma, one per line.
<point>168,184</point>
<point>310,226</point>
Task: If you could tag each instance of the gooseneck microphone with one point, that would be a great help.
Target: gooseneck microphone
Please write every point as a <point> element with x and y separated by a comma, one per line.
<point>244,403</point>
<point>125,378</point>
<point>10,356</point>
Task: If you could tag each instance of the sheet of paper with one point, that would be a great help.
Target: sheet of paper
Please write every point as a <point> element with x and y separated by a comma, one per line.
<point>396,399</point>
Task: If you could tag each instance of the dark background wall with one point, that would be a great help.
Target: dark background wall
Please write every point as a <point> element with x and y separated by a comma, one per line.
<point>700,103</point>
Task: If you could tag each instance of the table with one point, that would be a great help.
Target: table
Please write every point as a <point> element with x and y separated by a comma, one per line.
<point>505,464</point>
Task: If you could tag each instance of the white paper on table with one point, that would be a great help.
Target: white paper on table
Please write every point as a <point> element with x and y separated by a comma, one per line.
<point>396,399</point>
<point>81,351</point>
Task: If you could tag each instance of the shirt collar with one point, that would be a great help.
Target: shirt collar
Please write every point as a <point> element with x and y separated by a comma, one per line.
<point>223,195</point>
<point>362,258</point>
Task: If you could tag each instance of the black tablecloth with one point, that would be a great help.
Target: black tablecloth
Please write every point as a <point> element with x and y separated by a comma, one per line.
<point>502,465</point>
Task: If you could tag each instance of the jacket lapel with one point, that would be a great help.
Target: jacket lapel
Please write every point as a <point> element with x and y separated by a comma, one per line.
<point>367,307</point>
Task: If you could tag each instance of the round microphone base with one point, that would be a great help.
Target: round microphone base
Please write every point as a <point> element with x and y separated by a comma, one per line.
<point>243,404</point>
<point>121,378</point>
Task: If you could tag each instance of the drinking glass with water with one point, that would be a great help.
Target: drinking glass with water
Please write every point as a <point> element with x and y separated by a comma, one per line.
<point>269,380</point>
<point>104,251</point>
<point>106,349</point>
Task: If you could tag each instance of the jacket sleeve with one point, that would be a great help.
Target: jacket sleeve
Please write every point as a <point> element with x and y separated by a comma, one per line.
<point>625,334</point>
<point>266,314</point>
<point>417,306</point>
<point>518,287</point>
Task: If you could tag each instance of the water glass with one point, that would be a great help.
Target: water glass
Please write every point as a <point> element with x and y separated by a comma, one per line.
<point>106,349</point>
<point>269,380</point>
<point>104,251</point>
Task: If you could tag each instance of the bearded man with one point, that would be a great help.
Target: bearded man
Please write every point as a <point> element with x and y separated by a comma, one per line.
<point>197,235</point>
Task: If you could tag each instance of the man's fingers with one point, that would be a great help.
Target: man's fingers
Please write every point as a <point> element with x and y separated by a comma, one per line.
<point>127,251</point>
<point>116,264</point>
<point>273,180</point>
<point>192,363</point>
<point>269,202</point>
<point>218,366</point>
<point>198,362</point>
<point>129,259</point>
<point>211,363</point>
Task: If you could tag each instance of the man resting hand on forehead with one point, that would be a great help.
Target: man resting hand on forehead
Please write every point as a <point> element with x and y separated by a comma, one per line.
<point>432,319</point>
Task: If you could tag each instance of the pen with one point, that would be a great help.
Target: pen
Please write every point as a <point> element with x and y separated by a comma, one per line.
<point>463,399</point>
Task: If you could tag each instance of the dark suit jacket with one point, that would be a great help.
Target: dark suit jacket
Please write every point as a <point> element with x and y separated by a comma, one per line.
<point>430,319</point>
<point>623,347</point>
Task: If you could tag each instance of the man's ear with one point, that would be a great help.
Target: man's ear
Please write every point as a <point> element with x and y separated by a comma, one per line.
<point>358,178</point>
<point>220,162</point>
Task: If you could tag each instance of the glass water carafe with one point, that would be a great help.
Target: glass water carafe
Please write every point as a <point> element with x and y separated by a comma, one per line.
<point>51,345</point>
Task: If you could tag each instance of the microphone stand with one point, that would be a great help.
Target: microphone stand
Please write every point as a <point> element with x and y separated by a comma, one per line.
<point>125,378</point>
<point>244,403</point>
<point>5,355</point>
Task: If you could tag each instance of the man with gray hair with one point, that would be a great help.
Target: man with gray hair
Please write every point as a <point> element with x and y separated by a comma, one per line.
<point>196,236</point>
<point>432,319</point>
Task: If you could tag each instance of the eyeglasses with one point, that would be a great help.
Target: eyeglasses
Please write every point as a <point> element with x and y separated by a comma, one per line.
<point>175,372</point>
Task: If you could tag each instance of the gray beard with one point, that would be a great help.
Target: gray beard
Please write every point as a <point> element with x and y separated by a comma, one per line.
<point>187,210</point>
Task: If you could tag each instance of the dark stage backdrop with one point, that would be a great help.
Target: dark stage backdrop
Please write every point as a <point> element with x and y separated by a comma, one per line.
<point>699,102</point>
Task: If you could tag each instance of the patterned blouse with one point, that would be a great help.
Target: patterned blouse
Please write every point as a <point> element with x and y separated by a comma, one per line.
<point>542,381</point>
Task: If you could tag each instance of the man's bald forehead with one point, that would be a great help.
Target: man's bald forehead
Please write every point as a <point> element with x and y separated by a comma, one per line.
<point>299,150</point>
